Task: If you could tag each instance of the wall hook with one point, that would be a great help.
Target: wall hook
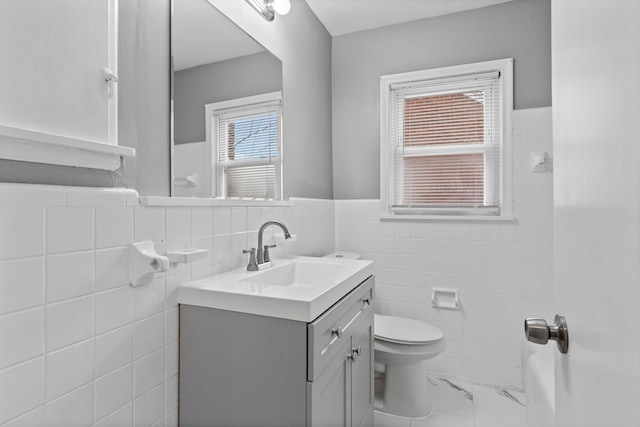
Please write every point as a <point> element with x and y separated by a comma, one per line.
<point>111,78</point>
<point>540,163</point>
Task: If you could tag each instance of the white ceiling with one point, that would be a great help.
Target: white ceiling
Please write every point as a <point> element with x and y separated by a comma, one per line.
<point>201,34</point>
<point>348,16</point>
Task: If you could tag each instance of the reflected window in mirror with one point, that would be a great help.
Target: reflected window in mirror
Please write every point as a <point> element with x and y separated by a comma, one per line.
<point>246,139</point>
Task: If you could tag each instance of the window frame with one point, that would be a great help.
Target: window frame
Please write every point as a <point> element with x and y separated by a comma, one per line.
<point>505,211</point>
<point>211,123</point>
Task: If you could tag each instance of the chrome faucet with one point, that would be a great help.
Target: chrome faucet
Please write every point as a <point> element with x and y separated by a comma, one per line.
<point>262,256</point>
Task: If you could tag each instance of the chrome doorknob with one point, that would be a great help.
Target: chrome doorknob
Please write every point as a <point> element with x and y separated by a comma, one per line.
<point>539,332</point>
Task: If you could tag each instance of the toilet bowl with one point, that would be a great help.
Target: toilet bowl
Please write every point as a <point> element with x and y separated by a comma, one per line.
<point>401,346</point>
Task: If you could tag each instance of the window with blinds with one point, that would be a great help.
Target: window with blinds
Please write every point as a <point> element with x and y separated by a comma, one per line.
<point>247,158</point>
<point>444,140</point>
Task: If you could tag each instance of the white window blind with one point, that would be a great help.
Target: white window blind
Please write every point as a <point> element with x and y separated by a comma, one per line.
<point>445,144</point>
<point>247,157</point>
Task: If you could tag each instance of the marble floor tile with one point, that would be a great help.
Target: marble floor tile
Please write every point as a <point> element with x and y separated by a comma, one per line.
<point>459,404</point>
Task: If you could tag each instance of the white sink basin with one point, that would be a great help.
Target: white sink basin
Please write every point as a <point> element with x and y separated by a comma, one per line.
<point>299,288</point>
<point>300,273</point>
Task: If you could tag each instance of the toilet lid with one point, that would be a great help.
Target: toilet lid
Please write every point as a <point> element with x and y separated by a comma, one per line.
<point>405,331</point>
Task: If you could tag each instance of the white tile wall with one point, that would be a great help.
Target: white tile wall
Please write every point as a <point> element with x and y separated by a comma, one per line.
<point>81,347</point>
<point>503,270</point>
<point>78,345</point>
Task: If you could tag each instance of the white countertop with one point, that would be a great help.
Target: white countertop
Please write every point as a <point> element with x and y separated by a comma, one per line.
<point>245,291</point>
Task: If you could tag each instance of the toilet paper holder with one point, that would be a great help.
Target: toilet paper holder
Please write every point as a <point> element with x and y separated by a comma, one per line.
<point>445,298</point>
<point>144,263</point>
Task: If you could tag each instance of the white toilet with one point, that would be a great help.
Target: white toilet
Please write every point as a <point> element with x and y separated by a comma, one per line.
<point>401,347</point>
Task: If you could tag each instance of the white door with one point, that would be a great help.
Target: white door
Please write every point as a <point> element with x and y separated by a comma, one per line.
<point>596,116</point>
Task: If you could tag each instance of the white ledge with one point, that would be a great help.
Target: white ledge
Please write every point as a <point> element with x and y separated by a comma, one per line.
<point>206,201</point>
<point>468,218</point>
<point>38,147</point>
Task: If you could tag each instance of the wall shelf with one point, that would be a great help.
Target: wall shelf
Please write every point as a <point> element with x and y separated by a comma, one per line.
<point>39,147</point>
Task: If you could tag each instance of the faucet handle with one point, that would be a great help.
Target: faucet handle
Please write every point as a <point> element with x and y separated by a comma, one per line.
<point>253,265</point>
<point>265,254</point>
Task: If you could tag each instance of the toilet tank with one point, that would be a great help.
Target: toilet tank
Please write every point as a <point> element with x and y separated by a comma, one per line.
<point>341,254</point>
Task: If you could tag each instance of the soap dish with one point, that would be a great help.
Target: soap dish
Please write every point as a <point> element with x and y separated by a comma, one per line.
<point>187,255</point>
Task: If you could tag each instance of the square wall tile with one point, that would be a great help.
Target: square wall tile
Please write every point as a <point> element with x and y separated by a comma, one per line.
<point>111,268</point>
<point>21,388</point>
<point>74,409</point>
<point>172,362</point>
<point>34,418</point>
<point>22,231</point>
<point>114,309</point>
<point>149,335</point>
<point>238,220</point>
<point>149,299</point>
<point>21,284</point>
<point>149,224</point>
<point>172,319</point>
<point>22,335</point>
<point>201,222</point>
<point>178,224</point>
<point>113,391</point>
<point>69,322</point>
<point>114,227</point>
<point>114,349</point>
<point>171,394</point>
<point>68,369</point>
<point>149,408</point>
<point>221,220</point>
<point>148,372</point>
<point>123,417</point>
<point>69,230</point>
<point>69,275</point>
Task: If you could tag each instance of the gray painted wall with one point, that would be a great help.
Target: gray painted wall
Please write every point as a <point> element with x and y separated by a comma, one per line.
<point>220,81</point>
<point>520,29</point>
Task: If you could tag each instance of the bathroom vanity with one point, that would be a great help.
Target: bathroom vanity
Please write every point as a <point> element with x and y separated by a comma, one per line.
<point>288,347</point>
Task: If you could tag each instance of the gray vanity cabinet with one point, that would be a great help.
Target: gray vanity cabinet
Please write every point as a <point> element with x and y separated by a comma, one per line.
<point>239,369</point>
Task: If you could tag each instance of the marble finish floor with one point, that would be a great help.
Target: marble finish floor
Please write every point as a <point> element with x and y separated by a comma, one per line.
<point>458,404</point>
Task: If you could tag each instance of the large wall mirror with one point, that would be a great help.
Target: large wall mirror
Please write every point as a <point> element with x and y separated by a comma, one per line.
<point>217,67</point>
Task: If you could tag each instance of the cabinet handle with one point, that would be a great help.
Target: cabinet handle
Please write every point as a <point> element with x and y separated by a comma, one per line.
<point>355,353</point>
<point>337,332</point>
<point>366,300</point>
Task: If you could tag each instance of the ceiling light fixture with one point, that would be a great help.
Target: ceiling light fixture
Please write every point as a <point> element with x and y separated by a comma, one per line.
<point>268,8</point>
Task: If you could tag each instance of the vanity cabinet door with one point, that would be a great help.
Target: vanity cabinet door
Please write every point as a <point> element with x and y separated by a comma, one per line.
<point>331,392</point>
<point>362,376</point>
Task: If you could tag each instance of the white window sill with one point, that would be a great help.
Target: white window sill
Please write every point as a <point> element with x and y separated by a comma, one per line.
<point>205,201</point>
<point>39,147</point>
<point>453,218</point>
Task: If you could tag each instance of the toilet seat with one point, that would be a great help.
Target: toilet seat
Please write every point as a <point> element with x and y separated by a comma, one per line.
<point>400,330</point>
